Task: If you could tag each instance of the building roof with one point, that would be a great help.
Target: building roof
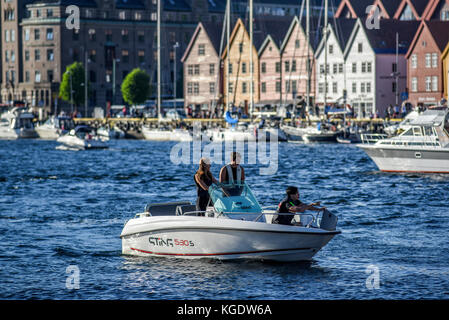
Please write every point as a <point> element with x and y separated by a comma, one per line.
<point>342,29</point>
<point>445,53</point>
<point>418,7</point>
<point>438,31</point>
<point>176,5</point>
<point>129,4</point>
<point>390,6</point>
<point>213,31</point>
<point>79,3</point>
<point>316,28</point>
<point>433,6</point>
<point>356,7</point>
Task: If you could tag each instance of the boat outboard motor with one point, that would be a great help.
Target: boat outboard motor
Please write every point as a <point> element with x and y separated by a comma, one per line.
<point>328,221</point>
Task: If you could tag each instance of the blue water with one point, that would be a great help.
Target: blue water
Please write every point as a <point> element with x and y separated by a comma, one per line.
<point>63,208</point>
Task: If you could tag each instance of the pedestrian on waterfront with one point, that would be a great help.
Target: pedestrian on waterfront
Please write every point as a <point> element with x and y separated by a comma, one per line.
<point>203,180</point>
<point>291,204</point>
<point>403,111</point>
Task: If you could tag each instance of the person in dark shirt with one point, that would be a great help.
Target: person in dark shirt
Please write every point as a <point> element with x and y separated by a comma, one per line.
<point>203,180</point>
<point>291,204</point>
<point>233,174</point>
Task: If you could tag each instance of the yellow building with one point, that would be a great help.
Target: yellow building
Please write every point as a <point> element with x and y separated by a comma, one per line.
<point>239,72</point>
<point>445,59</point>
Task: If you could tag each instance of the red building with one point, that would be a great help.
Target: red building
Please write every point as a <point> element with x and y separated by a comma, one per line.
<point>424,64</point>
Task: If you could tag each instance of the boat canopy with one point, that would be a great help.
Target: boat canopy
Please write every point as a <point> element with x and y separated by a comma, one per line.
<point>430,118</point>
<point>234,198</point>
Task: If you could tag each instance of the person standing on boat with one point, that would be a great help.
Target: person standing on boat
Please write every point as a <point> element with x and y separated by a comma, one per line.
<point>291,204</point>
<point>233,174</point>
<point>203,180</point>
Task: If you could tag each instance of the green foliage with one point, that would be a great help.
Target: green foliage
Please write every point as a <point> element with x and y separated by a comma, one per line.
<point>136,87</point>
<point>76,69</point>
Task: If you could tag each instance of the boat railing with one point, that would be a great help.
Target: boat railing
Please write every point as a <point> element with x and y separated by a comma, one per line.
<point>371,138</point>
<point>300,215</point>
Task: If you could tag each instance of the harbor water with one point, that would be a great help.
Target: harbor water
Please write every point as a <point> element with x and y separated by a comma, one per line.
<point>64,210</point>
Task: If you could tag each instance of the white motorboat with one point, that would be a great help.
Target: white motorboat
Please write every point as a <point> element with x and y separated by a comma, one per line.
<point>233,227</point>
<point>107,133</point>
<point>423,148</point>
<point>403,125</point>
<point>239,133</point>
<point>82,137</point>
<point>55,127</point>
<point>156,134</point>
<point>309,134</point>
<point>17,124</point>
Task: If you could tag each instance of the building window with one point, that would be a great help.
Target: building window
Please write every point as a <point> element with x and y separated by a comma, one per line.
<point>243,67</point>
<point>393,87</point>
<point>125,35</point>
<point>196,88</point>
<point>230,68</point>
<point>293,65</point>
<point>331,49</point>
<point>92,76</point>
<point>414,61</point>
<point>354,87</point>
<point>75,34</point>
<point>201,49</point>
<point>212,87</point>
<point>287,86</point>
<point>122,15</point>
<point>13,35</point>
<point>92,35</point>
<point>37,54</point>
<point>49,34</point>
<point>394,67</point>
<point>362,87</point>
<point>141,56</point>
<point>125,56</point>
<point>141,36</point>
<point>414,84</point>
<point>335,87</point>
<point>37,34</point>
<point>27,35</point>
<point>360,47</point>
<point>211,69</point>
<point>93,55</point>
<point>278,67</point>
<point>196,69</point>
<point>369,67</point>
<point>241,47</point>
<point>340,68</point>
<point>368,87</point>
<point>434,60</point>
<point>37,76</point>
<point>335,68</point>
<point>27,76</point>
<point>278,86</point>
<point>428,60</point>
<point>287,66</point>
<point>428,84</point>
<point>27,55</point>
<point>363,67</point>
<point>354,67</point>
<point>50,75</point>
<point>6,56</point>
<point>190,69</point>
<point>264,87</point>
<point>434,83</point>
<point>50,55</point>
<point>138,16</point>
<point>297,43</point>
<point>6,35</point>
<point>13,56</point>
<point>244,85</point>
<point>108,34</point>
<point>189,88</point>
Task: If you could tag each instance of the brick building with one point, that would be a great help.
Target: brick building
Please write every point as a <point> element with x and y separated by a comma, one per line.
<point>425,67</point>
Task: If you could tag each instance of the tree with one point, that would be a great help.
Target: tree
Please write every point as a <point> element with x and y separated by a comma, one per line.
<point>75,71</point>
<point>136,87</point>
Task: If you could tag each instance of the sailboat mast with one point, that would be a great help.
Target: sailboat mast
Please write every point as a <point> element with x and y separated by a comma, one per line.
<point>251,87</point>
<point>308,57</point>
<point>326,18</point>
<point>228,27</point>
<point>159,58</point>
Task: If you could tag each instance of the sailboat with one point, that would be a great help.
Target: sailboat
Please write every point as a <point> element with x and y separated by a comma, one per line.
<point>319,132</point>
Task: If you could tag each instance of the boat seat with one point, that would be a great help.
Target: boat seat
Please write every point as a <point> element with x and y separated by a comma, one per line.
<point>181,210</point>
<point>328,221</point>
<point>164,209</point>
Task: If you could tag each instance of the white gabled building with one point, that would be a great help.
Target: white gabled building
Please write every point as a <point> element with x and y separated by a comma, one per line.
<point>338,35</point>
<point>370,57</point>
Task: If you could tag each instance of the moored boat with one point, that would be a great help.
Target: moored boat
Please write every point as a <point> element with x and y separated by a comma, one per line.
<point>17,124</point>
<point>82,137</point>
<point>422,148</point>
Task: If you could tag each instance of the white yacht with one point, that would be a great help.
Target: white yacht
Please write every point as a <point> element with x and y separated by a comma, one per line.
<point>17,124</point>
<point>234,226</point>
<point>309,134</point>
<point>55,127</point>
<point>82,137</point>
<point>423,148</point>
<point>107,133</point>
<point>403,125</point>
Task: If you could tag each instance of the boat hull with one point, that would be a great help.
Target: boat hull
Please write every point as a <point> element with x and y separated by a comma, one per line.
<point>223,239</point>
<point>22,133</point>
<point>78,143</point>
<point>409,160</point>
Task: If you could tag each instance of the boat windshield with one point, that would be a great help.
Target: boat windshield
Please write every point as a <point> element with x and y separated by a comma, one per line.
<point>234,198</point>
